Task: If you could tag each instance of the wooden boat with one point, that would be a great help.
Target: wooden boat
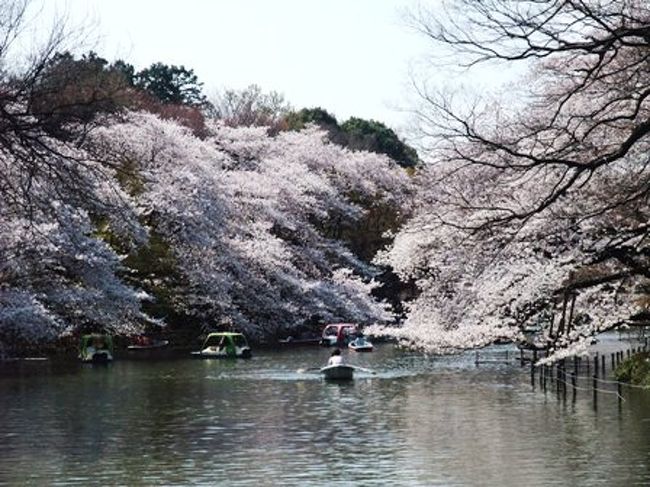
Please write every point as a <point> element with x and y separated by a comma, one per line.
<point>96,348</point>
<point>147,345</point>
<point>338,372</point>
<point>360,344</point>
<point>224,345</point>
<point>298,342</point>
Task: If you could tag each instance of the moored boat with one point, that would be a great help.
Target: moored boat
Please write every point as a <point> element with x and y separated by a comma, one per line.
<point>360,344</point>
<point>338,334</point>
<point>146,343</point>
<point>297,342</point>
<point>96,348</point>
<point>224,345</point>
<point>338,372</point>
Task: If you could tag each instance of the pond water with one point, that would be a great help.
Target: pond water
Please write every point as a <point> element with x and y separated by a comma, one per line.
<point>417,421</point>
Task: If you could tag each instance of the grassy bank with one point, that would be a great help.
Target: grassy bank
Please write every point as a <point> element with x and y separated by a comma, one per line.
<point>635,369</point>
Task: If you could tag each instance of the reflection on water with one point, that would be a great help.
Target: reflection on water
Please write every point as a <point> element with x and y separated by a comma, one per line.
<point>418,421</point>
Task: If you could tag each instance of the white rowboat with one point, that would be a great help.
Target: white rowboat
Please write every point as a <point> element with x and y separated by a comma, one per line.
<point>338,372</point>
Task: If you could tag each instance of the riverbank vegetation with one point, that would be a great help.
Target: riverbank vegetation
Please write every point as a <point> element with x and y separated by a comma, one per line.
<point>128,201</point>
<point>635,370</point>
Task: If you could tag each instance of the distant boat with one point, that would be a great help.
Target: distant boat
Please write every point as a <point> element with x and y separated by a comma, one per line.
<point>96,348</point>
<point>294,342</point>
<point>338,372</point>
<point>360,344</point>
<point>224,345</point>
<point>146,343</point>
<point>338,334</point>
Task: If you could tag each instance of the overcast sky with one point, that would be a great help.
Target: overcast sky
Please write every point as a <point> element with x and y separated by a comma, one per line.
<point>351,57</point>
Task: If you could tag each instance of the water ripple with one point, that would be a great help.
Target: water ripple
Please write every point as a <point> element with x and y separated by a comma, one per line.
<point>417,421</point>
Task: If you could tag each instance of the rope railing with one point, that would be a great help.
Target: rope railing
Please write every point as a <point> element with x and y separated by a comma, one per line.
<point>589,389</point>
<point>571,374</point>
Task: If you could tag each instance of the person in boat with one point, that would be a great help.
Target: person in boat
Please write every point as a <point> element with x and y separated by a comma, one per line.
<point>359,341</point>
<point>225,346</point>
<point>336,358</point>
<point>96,345</point>
<point>220,346</point>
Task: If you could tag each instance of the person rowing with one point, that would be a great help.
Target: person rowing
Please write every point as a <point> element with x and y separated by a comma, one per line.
<point>336,358</point>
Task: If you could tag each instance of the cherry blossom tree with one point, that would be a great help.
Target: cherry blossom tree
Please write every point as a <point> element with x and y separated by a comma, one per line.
<point>534,212</point>
<point>242,213</point>
<point>241,218</point>
<point>54,274</point>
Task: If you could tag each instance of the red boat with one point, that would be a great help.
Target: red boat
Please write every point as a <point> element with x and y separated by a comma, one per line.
<point>339,334</point>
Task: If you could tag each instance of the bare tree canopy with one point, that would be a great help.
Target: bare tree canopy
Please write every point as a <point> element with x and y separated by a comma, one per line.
<point>592,80</point>
<point>35,166</point>
<point>250,107</point>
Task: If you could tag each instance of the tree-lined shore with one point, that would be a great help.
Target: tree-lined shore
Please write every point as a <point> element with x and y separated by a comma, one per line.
<point>129,199</point>
<point>131,202</point>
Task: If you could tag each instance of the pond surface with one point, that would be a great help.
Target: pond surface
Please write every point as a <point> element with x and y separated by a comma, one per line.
<point>417,421</point>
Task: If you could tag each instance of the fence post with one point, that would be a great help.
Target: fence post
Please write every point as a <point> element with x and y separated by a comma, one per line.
<point>532,375</point>
<point>573,386</point>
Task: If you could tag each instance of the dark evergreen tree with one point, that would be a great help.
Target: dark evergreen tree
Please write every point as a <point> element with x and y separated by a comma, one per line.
<point>171,84</point>
<point>376,137</point>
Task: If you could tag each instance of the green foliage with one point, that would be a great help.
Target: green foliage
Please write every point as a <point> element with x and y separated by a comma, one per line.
<point>130,178</point>
<point>103,232</point>
<point>635,369</point>
<point>151,267</point>
<point>369,234</point>
<point>126,70</point>
<point>298,120</point>
<point>72,89</point>
<point>376,137</point>
<point>152,263</point>
<point>171,84</point>
<point>357,134</point>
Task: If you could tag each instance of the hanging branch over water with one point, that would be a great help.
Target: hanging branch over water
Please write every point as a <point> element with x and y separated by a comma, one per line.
<point>543,192</point>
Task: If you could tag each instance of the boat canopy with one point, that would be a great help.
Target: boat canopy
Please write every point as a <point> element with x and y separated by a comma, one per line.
<point>225,338</point>
<point>340,330</point>
<point>96,340</point>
